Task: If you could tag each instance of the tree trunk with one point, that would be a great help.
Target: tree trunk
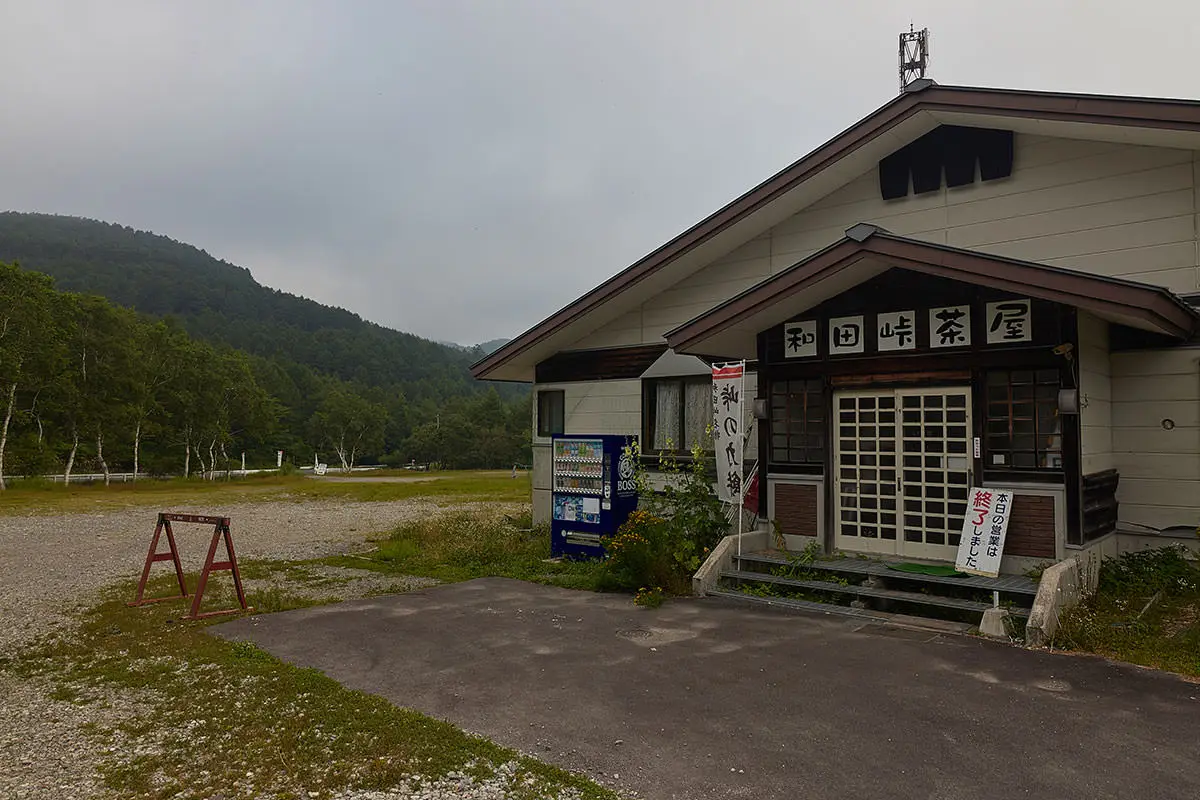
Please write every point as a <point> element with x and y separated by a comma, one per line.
<point>12,399</point>
<point>187,459</point>
<point>212,460</point>
<point>225,458</point>
<point>137,446</point>
<point>100,456</point>
<point>340,447</point>
<point>71,458</point>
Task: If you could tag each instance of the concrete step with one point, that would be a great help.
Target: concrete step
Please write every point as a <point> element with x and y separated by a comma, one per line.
<point>1019,586</point>
<point>796,604</point>
<point>917,598</point>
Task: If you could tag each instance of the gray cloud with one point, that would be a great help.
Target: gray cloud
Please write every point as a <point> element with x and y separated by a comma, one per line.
<point>461,169</point>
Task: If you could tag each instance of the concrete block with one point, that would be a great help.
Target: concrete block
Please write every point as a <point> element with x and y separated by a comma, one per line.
<point>994,623</point>
<point>1063,586</point>
<point>721,558</point>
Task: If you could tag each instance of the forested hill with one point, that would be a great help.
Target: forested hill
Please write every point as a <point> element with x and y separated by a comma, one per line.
<point>220,302</point>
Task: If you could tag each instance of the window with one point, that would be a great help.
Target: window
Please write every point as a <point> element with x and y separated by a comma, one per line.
<point>678,413</point>
<point>797,422</point>
<point>1023,426</point>
<point>550,406</point>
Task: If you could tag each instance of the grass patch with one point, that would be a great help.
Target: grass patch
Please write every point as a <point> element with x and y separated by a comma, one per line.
<point>46,498</point>
<point>228,719</point>
<point>1145,611</point>
<point>461,545</point>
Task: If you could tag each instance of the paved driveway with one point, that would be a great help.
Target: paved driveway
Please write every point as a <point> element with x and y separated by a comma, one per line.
<point>700,699</point>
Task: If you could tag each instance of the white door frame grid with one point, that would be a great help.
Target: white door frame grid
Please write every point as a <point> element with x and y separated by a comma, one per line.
<point>902,470</point>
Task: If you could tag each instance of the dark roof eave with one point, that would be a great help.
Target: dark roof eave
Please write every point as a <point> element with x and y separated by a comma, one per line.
<point>1155,305</point>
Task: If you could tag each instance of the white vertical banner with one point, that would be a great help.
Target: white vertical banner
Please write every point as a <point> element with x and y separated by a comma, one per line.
<point>728,437</point>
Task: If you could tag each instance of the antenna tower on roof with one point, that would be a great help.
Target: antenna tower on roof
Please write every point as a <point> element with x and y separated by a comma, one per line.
<point>914,55</point>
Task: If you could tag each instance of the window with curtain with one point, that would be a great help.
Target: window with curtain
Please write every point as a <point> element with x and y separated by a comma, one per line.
<point>797,422</point>
<point>1024,430</point>
<point>678,414</point>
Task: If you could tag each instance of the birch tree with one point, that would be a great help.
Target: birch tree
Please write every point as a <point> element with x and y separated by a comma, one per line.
<point>156,350</point>
<point>349,423</point>
<point>29,342</point>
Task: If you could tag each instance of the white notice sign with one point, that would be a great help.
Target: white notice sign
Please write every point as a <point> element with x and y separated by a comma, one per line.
<point>727,428</point>
<point>984,528</point>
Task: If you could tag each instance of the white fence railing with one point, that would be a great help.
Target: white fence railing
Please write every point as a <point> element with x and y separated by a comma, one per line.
<point>126,477</point>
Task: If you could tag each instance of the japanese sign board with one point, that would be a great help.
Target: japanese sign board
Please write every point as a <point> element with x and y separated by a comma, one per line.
<point>983,532</point>
<point>727,385</point>
<point>1006,322</point>
<point>1009,321</point>
<point>897,331</point>
<point>800,339</point>
<point>846,335</point>
<point>950,326</point>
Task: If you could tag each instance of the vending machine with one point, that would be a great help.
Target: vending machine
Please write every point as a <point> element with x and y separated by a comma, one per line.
<point>594,491</point>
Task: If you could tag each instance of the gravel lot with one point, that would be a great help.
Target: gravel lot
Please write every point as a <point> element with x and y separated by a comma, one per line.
<point>51,568</point>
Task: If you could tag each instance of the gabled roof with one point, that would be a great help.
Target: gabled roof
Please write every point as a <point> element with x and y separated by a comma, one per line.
<point>921,107</point>
<point>731,329</point>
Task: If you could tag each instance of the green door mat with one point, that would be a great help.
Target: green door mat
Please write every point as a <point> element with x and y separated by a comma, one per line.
<point>937,570</point>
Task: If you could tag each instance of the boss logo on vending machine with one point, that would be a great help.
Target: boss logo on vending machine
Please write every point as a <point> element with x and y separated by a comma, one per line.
<point>626,485</point>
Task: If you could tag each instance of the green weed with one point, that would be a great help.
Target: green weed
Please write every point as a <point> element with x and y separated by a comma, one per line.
<point>1145,611</point>
<point>462,545</point>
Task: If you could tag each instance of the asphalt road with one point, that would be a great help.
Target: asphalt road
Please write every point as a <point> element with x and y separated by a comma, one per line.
<point>700,699</point>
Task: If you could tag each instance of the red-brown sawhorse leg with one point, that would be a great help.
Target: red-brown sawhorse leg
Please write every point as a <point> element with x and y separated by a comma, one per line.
<point>221,531</point>
<point>153,556</point>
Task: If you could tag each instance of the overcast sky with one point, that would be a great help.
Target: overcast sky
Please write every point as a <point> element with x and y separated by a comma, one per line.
<point>462,169</point>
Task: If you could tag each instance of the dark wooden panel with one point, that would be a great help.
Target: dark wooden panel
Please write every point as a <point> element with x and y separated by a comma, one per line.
<point>613,363</point>
<point>915,377</point>
<point>1100,507</point>
<point>956,148</point>
<point>1031,527</point>
<point>796,508</point>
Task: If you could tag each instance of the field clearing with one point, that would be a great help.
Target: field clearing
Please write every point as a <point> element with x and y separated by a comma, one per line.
<point>31,498</point>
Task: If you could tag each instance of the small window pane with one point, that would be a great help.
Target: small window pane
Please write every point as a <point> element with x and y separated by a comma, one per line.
<point>798,421</point>
<point>1023,427</point>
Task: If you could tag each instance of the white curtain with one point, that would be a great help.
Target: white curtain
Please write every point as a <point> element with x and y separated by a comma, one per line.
<point>667,397</point>
<point>697,415</point>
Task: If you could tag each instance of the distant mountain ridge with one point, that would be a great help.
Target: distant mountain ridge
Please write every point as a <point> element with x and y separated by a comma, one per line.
<point>484,348</point>
<point>222,302</point>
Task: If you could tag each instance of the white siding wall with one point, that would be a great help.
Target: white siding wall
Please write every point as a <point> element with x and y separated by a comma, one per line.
<point>1109,209</point>
<point>1095,395</point>
<point>1160,468</point>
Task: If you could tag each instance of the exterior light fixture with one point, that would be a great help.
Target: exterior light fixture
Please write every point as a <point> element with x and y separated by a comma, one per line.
<point>1068,401</point>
